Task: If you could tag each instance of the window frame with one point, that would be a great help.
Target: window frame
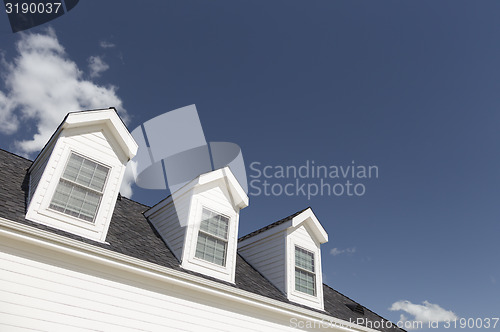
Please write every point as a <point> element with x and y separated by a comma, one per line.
<point>62,179</point>
<point>188,259</point>
<point>313,273</point>
<point>205,233</point>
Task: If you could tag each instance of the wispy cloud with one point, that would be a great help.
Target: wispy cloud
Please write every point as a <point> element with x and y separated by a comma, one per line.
<point>106,44</point>
<point>42,85</point>
<point>337,251</point>
<point>97,66</point>
<point>128,179</point>
<point>422,313</point>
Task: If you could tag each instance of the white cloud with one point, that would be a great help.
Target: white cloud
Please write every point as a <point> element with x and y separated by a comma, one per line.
<point>8,122</point>
<point>42,85</point>
<point>128,179</point>
<point>336,251</point>
<point>97,66</point>
<point>106,44</point>
<point>422,313</point>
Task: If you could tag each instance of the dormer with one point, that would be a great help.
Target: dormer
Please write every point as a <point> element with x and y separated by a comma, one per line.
<point>288,254</point>
<point>199,223</point>
<point>74,181</point>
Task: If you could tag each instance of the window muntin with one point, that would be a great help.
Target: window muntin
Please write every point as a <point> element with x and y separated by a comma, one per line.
<point>305,278</point>
<point>80,188</point>
<point>212,237</point>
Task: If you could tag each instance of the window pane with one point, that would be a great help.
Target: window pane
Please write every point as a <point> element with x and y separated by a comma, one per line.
<point>89,206</point>
<point>60,199</point>
<point>86,173</point>
<point>211,249</point>
<point>75,200</point>
<point>304,259</point>
<point>99,178</point>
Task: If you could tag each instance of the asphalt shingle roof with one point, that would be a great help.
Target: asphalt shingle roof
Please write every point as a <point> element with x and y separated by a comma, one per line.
<point>130,233</point>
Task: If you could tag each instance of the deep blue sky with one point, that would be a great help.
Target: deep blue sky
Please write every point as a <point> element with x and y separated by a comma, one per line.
<point>412,87</point>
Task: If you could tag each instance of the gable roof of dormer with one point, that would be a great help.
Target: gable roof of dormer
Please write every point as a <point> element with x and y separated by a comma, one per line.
<point>106,117</point>
<point>238,195</point>
<point>305,216</point>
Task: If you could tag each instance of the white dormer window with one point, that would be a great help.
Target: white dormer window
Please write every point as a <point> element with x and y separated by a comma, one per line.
<point>74,181</point>
<point>212,237</point>
<point>304,271</point>
<point>80,188</point>
<point>199,223</point>
<point>294,266</point>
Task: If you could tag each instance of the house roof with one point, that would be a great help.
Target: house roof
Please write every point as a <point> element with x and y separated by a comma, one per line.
<point>130,233</point>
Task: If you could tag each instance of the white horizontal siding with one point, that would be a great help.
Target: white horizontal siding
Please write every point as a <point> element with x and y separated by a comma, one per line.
<point>302,236</point>
<point>96,140</point>
<point>48,176</point>
<point>218,195</point>
<point>36,175</point>
<point>268,256</point>
<point>44,296</point>
<point>166,223</point>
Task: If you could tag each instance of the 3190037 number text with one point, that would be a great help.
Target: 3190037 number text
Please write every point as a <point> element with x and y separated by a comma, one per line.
<point>33,8</point>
